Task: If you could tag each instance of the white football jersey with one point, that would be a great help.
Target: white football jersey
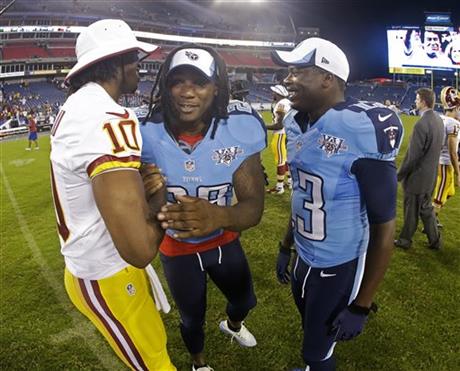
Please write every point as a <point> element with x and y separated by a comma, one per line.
<point>452,127</point>
<point>92,134</point>
<point>281,107</point>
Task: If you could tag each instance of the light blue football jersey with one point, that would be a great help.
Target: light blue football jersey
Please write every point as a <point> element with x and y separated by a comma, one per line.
<point>328,215</point>
<point>291,127</point>
<point>206,172</point>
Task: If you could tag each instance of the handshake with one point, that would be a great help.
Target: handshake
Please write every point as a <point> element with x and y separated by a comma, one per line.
<point>189,217</point>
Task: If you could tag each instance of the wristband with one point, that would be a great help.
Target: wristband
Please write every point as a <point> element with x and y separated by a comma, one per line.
<point>357,309</point>
<point>284,250</point>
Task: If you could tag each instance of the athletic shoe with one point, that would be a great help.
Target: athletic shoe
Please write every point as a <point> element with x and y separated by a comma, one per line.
<point>276,190</point>
<point>437,245</point>
<point>28,149</point>
<point>37,148</point>
<point>243,337</point>
<point>401,244</point>
<point>202,368</point>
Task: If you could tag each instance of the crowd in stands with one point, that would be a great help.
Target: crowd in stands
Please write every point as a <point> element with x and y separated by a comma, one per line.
<point>184,18</point>
<point>19,101</point>
<point>43,98</point>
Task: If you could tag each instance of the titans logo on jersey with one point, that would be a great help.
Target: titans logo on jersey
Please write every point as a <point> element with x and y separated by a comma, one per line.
<point>206,172</point>
<point>329,218</point>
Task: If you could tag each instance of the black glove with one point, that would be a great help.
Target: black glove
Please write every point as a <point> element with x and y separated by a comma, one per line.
<point>350,322</point>
<point>282,264</point>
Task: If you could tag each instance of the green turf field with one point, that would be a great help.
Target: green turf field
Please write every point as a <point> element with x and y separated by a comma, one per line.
<point>417,326</point>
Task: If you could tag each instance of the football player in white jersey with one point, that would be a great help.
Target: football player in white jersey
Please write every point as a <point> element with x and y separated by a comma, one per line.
<point>448,169</point>
<point>278,144</point>
<point>104,222</point>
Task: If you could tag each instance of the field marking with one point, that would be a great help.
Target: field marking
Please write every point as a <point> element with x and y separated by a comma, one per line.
<point>79,327</point>
<point>19,162</point>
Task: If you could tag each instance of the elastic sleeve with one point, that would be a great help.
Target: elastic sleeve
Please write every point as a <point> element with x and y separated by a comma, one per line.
<point>378,185</point>
<point>114,144</point>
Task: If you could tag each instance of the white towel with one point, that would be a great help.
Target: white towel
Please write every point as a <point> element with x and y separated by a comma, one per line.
<point>161,300</point>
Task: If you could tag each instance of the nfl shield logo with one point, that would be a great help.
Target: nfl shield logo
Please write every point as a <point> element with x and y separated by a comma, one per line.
<point>189,165</point>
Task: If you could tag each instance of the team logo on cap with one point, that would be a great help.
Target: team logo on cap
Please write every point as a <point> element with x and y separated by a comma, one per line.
<point>189,165</point>
<point>332,145</point>
<point>226,156</point>
<point>192,56</point>
<point>324,60</point>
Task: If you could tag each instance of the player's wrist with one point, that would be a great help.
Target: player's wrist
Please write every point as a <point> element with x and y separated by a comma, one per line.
<point>284,249</point>
<point>360,309</point>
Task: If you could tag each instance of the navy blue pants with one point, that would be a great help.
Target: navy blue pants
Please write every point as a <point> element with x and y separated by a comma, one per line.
<point>187,280</point>
<point>320,294</point>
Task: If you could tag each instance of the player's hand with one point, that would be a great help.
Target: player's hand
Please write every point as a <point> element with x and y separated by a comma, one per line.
<point>190,217</point>
<point>152,178</point>
<point>350,322</point>
<point>282,264</point>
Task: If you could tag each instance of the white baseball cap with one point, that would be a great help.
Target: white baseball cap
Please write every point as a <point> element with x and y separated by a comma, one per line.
<point>280,90</point>
<point>105,39</point>
<point>315,52</point>
<point>199,59</point>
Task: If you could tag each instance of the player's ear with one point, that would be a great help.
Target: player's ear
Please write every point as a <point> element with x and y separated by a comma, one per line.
<point>328,79</point>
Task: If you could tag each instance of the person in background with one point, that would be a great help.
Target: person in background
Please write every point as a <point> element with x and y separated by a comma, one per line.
<point>278,145</point>
<point>33,133</point>
<point>448,168</point>
<point>418,170</point>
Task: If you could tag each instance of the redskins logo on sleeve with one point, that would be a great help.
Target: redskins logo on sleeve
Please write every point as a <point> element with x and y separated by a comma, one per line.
<point>118,142</point>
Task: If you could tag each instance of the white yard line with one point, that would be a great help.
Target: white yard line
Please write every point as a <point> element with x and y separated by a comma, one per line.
<point>79,326</point>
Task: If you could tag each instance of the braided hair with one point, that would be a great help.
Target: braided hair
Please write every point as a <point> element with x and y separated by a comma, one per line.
<point>160,100</point>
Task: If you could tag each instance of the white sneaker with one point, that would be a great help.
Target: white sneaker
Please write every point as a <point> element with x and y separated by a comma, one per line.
<point>202,368</point>
<point>276,190</point>
<point>28,149</point>
<point>243,337</point>
<point>37,148</point>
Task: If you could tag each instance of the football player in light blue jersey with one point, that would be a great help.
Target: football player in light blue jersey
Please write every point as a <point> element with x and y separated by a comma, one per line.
<point>341,154</point>
<point>207,149</point>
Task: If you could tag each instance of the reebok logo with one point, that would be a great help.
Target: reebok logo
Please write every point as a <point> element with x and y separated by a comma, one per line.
<point>324,275</point>
<point>384,118</point>
<point>324,60</point>
<point>124,115</point>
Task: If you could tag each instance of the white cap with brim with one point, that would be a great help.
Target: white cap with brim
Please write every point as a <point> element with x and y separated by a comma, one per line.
<point>315,52</point>
<point>280,90</point>
<point>105,39</point>
<point>199,59</point>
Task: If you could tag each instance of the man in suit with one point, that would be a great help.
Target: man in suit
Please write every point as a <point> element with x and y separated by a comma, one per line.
<point>418,172</point>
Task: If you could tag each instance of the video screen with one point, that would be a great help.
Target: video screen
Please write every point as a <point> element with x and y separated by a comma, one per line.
<point>433,47</point>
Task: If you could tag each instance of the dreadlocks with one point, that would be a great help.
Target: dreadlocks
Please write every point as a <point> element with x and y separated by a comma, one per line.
<point>162,98</point>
